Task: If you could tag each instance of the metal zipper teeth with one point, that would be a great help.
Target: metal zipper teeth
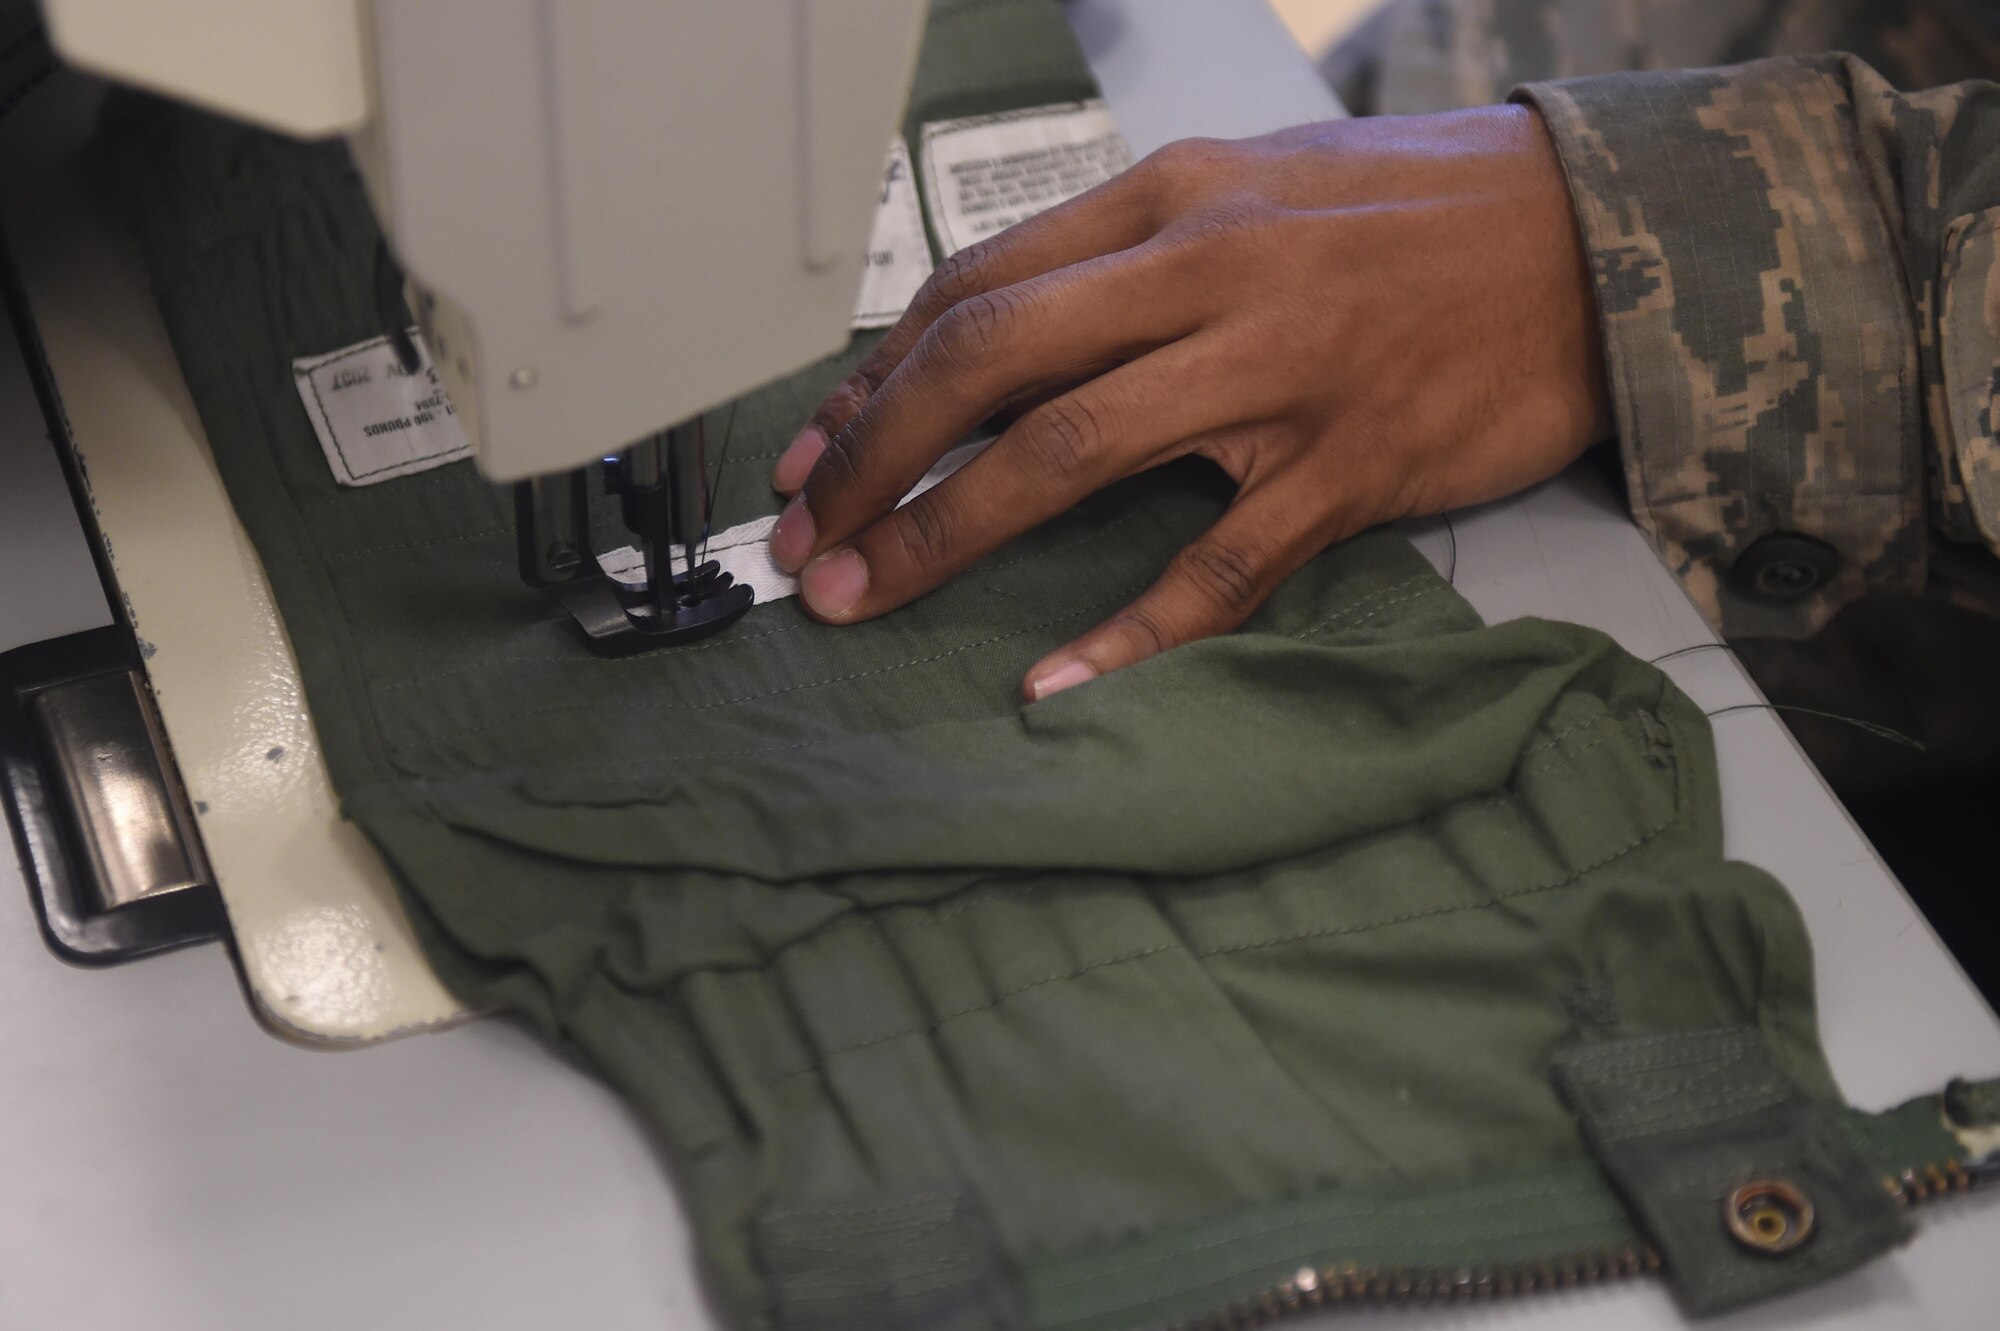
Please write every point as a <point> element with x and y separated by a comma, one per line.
<point>1941,1179</point>
<point>1325,1288</point>
<point>1313,1289</point>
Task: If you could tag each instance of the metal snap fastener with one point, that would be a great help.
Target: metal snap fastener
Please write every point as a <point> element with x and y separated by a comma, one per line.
<point>1768,1216</point>
<point>1783,566</point>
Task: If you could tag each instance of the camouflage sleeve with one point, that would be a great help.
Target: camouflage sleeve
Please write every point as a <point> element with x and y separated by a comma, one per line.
<point>1798,273</point>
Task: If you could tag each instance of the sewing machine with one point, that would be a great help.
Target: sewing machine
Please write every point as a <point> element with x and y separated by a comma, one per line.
<point>598,238</point>
<point>602,239</point>
<point>171,1166</point>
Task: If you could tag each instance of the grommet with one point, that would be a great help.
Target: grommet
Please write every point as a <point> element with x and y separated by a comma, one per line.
<point>1768,1216</point>
<point>1783,567</point>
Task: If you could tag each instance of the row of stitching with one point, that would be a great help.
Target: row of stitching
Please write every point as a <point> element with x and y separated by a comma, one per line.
<point>596,662</point>
<point>1633,1058</point>
<point>730,640</point>
<point>1559,736</point>
<point>850,929</point>
<point>1337,931</point>
<point>1701,1046</point>
<point>1376,599</point>
<point>819,1063</point>
<point>853,930</point>
<point>1297,936</point>
<point>1556,760</point>
<point>959,650</point>
<point>1122,519</point>
<point>650,762</point>
<point>1428,1210</point>
<point>341,556</point>
<point>861,1210</point>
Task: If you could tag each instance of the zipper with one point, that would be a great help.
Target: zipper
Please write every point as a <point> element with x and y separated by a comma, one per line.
<point>1325,1288</point>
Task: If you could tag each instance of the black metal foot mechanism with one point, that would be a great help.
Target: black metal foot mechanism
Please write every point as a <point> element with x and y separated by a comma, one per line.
<point>618,617</point>
<point>664,501</point>
<point>662,487</point>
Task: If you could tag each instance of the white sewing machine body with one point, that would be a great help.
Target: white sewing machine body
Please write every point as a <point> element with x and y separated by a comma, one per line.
<point>173,1167</point>
<point>615,215</point>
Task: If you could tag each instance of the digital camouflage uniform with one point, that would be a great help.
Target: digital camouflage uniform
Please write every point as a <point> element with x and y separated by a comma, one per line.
<point>1796,266</point>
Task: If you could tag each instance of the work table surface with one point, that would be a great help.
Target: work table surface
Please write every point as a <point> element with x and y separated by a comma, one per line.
<point>166,1164</point>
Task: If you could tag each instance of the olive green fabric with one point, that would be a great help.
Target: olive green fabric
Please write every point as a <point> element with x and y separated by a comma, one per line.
<point>1101,1012</point>
<point>1682,1120</point>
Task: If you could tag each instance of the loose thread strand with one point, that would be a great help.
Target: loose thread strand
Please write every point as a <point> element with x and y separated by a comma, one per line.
<point>1869,727</point>
<point>715,485</point>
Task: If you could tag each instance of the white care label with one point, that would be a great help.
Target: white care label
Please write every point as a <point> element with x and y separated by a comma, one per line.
<point>899,254</point>
<point>983,174</point>
<point>375,421</point>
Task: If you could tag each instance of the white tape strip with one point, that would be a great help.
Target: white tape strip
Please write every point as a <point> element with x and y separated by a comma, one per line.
<point>744,550</point>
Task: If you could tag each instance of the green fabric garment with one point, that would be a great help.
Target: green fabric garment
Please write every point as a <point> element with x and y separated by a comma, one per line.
<point>1102,1012</point>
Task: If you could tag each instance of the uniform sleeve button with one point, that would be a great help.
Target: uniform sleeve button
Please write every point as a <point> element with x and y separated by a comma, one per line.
<point>1783,566</point>
<point>1768,1216</point>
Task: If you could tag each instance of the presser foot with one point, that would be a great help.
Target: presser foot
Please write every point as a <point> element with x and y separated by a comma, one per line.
<point>618,618</point>
<point>552,518</point>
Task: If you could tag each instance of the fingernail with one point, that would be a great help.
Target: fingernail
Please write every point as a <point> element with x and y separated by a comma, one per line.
<point>832,584</point>
<point>792,537</point>
<point>798,460</point>
<point>1065,676</point>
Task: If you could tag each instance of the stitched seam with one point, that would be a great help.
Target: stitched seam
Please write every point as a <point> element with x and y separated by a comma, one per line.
<point>926,1206</point>
<point>1372,599</point>
<point>342,556</point>
<point>586,659</point>
<point>819,1064</point>
<point>1083,540</point>
<point>731,642</point>
<point>1498,1200</point>
<point>581,658</point>
<point>837,679</point>
<point>1559,736</point>
<point>851,929</point>
<point>1122,593</point>
<point>1702,1039</point>
<point>905,1283</point>
<point>848,928</point>
<point>1557,760</point>
<point>1717,1057</point>
<point>1338,931</point>
<point>1332,931</point>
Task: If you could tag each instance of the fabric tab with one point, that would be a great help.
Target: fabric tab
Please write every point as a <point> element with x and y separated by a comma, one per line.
<point>917,1264</point>
<point>1681,1122</point>
<point>982,174</point>
<point>375,421</point>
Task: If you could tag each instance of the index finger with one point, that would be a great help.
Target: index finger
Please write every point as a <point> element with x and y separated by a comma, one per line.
<point>1114,216</point>
<point>982,352</point>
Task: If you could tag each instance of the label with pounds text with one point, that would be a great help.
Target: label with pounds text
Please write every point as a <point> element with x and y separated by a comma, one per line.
<point>983,174</point>
<point>375,421</point>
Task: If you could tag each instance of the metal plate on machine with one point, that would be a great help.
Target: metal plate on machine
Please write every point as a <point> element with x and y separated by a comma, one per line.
<point>327,955</point>
<point>104,743</point>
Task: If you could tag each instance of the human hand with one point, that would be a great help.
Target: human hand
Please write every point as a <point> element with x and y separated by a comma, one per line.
<point>1359,321</point>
